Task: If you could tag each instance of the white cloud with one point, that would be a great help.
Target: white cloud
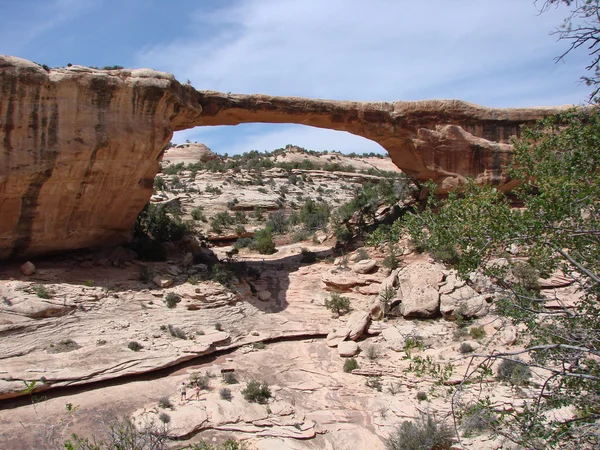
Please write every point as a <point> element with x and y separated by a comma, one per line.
<point>492,53</point>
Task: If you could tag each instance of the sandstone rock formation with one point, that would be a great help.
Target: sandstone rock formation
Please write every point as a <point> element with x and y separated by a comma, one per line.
<point>80,147</point>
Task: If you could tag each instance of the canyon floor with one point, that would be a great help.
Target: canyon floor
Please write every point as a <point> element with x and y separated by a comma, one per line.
<point>106,345</point>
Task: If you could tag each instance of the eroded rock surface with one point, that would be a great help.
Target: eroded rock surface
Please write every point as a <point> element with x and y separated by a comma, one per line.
<point>80,147</point>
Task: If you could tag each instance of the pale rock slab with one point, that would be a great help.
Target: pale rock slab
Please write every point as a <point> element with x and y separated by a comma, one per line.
<point>347,348</point>
<point>364,266</point>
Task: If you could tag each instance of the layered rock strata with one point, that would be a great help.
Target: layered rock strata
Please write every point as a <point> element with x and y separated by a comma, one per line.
<point>79,147</point>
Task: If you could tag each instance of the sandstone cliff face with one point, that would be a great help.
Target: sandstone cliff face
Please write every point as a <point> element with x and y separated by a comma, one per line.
<point>79,152</point>
<point>79,147</point>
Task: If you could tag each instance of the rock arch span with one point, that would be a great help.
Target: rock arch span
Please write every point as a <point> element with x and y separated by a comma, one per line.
<point>79,147</point>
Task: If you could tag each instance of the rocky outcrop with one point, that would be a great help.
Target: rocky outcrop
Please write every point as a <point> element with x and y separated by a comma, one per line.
<point>79,147</point>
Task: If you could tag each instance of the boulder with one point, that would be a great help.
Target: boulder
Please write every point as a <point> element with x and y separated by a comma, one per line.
<point>358,322</point>
<point>418,290</point>
<point>376,309</point>
<point>28,268</point>
<point>341,280</point>
<point>162,281</point>
<point>465,300</point>
<point>335,338</point>
<point>393,339</point>
<point>264,296</point>
<point>509,336</point>
<point>364,266</point>
<point>347,348</point>
<point>188,259</point>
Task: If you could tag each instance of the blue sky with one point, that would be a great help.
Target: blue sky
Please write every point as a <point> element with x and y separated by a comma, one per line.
<point>494,53</point>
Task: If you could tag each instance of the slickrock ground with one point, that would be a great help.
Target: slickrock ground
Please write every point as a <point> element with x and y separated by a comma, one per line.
<point>274,328</point>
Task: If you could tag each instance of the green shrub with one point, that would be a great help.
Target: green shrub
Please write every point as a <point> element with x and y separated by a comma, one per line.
<point>135,346</point>
<point>361,255</point>
<point>155,221</point>
<point>256,392</point>
<point>171,299</point>
<point>41,291</point>
<point>259,345</point>
<point>477,332</point>
<point>374,383</point>
<point>277,222</point>
<point>159,183</point>
<point>338,304</point>
<point>300,235</point>
<point>198,214</point>
<point>242,243</point>
<point>391,260</point>
<point>350,364</point>
<point>514,371</point>
<point>225,394</point>
<point>424,433</point>
<point>218,326</point>
<point>421,396</point>
<point>263,242</point>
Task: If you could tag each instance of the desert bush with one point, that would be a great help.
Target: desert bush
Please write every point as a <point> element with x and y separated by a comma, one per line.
<point>256,392</point>
<point>338,304</point>
<point>477,332</point>
<point>314,215</point>
<point>225,394</point>
<point>421,396</point>
<point>218,326</point>
<point>277,222</point>
<point>263,242</point>
<point>240,217</point>
<point>242,243</point>
<point>198,214</point>
<point>41,291</point>
<point>424,433</point>
<point>374,383</point>
<point>64,346</point>
<point>465,347</point>
<point>171,299</point>
<point>259,345</point>
<point>371,352</point>
<point>230,378</point>
<point>361,255</point>
<point>476,418</point>
<point>176,332</point>
<point>514,371</point>
<point>124,434</point>
<point>460,333</point>
<point>157,222</point>
<point>165,403</point>
<point>300,235</point>
<point>202,381</point>
<point>134,346</point>
<point>350,364</point>
<point>391,260</point>
<point>159,183</point>
<point>164,418</point>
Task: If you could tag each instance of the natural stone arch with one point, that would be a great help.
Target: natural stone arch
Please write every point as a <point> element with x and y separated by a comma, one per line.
<point>79,147</point>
